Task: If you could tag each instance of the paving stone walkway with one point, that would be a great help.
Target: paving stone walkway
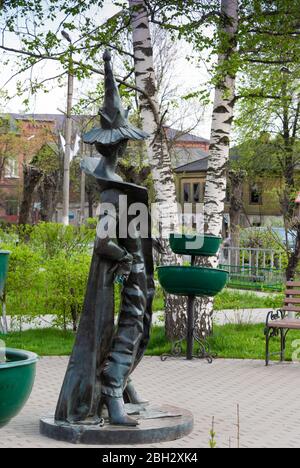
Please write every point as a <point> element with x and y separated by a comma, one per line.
<point>268,399</point>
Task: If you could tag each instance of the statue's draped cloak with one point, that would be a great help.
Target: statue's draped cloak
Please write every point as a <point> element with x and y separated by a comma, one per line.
<point>81,390</point>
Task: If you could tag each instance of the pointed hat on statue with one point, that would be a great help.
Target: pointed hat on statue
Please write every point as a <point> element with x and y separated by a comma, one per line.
<point>114,123</point>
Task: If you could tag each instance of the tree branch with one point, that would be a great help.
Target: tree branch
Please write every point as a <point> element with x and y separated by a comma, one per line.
<point>80,64</point>
<point>258,96</point>
<point>273,33</point>
<point>271,62</point>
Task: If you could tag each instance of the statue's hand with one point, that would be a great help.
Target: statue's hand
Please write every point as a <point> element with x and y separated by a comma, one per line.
<point>124,269</point>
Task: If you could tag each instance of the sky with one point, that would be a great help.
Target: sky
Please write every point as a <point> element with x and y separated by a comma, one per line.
<point>186,77</point>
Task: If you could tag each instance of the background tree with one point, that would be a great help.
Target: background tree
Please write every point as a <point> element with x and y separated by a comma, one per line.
<point>236,178</point>
<point>270,104</point>
<point>224,43</point>
<point>263,45</point>
<point>32,176</point>
<point>49,161</point>
<point>9,144</point>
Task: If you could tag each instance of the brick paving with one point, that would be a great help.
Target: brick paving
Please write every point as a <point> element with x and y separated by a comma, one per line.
<point>268,399</point>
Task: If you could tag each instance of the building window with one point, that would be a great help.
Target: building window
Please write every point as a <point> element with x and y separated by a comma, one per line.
<point>11,169</point>
<point>11,208</point>
<point>197,193</point>
<point>193,191</point>
<point>186,193</point>
<point>255,195</point>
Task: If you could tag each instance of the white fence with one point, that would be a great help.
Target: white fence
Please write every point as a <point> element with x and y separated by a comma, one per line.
<point>253,268</point>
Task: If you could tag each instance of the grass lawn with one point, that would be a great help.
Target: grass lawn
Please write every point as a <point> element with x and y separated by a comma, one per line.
<point>229,341</point>
<point>229,299</point>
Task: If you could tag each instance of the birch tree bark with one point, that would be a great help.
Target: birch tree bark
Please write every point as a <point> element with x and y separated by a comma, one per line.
<point>215,190</point>
<point>157,148</point>
<point>159,156</point>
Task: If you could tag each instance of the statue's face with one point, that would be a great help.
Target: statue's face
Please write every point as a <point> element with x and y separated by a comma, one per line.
<point>112,151</point>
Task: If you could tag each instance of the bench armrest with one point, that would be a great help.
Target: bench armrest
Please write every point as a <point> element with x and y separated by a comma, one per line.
<point>275,315</point>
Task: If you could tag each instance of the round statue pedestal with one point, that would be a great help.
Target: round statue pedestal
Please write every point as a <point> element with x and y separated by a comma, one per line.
<point>156,424</point>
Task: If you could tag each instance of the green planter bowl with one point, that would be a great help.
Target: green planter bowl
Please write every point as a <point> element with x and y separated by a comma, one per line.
<point>17,376</point>
<point>192,281</point>
<point>205,246</point>
<point>4,258</point>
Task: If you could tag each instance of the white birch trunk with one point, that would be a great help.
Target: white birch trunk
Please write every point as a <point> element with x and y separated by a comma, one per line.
<point>157,148</point>
<point>159,157</point>
<point>215,191</point>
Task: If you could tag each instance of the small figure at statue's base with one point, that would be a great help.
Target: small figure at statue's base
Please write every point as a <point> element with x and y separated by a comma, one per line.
<point>155,424</point>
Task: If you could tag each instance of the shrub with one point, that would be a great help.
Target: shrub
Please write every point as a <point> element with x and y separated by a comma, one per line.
<point>67,280</point>
<point>25,283</point>
<point>52,239</point>
<point>48,271</point>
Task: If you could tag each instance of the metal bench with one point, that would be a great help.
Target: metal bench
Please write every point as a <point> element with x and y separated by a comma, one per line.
<point>278,323</point>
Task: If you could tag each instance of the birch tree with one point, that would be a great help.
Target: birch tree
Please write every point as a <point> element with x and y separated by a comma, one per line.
<point>152,121</point>
<point>159,156</point>
<point>222,119</point>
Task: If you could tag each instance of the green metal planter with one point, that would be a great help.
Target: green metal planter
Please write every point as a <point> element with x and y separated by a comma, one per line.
<point>4,259</point>
<point>17,377</point>
<point>204,246</point>
<point>192,281</point>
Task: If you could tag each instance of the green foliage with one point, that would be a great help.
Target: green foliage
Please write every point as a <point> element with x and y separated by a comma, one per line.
<point>260,238</point>
<point>264,238</point>
<point>67,280</point>
<point>48,272</point>
<point>50,239</point>
<point>267,35</point>
<point>47,159</point>
<point>25,283</point>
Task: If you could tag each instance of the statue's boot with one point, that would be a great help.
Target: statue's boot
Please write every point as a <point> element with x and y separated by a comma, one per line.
<point>116,411</point>
<point>130,395</point>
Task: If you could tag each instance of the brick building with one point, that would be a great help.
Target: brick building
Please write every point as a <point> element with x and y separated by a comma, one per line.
<point>21,138</point>
<point>189,160</point>
<point>31,132</point>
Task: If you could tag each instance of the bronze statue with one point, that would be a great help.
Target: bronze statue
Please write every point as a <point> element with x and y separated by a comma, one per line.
<point>103,357</point>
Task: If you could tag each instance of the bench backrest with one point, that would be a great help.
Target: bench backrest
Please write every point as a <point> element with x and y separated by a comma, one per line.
<point>292,297</point>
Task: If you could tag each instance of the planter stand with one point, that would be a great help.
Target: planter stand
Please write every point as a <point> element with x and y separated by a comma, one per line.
<point>192,282</point>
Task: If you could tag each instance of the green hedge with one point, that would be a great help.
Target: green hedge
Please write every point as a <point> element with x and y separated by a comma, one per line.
<point>48,272</point>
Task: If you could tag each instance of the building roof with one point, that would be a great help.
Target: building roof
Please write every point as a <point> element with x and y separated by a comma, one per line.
<point>196,166</point>
<point>59,119</point>
<point>171,133</point>
<point>182,156</point>
<point>178,135</point>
